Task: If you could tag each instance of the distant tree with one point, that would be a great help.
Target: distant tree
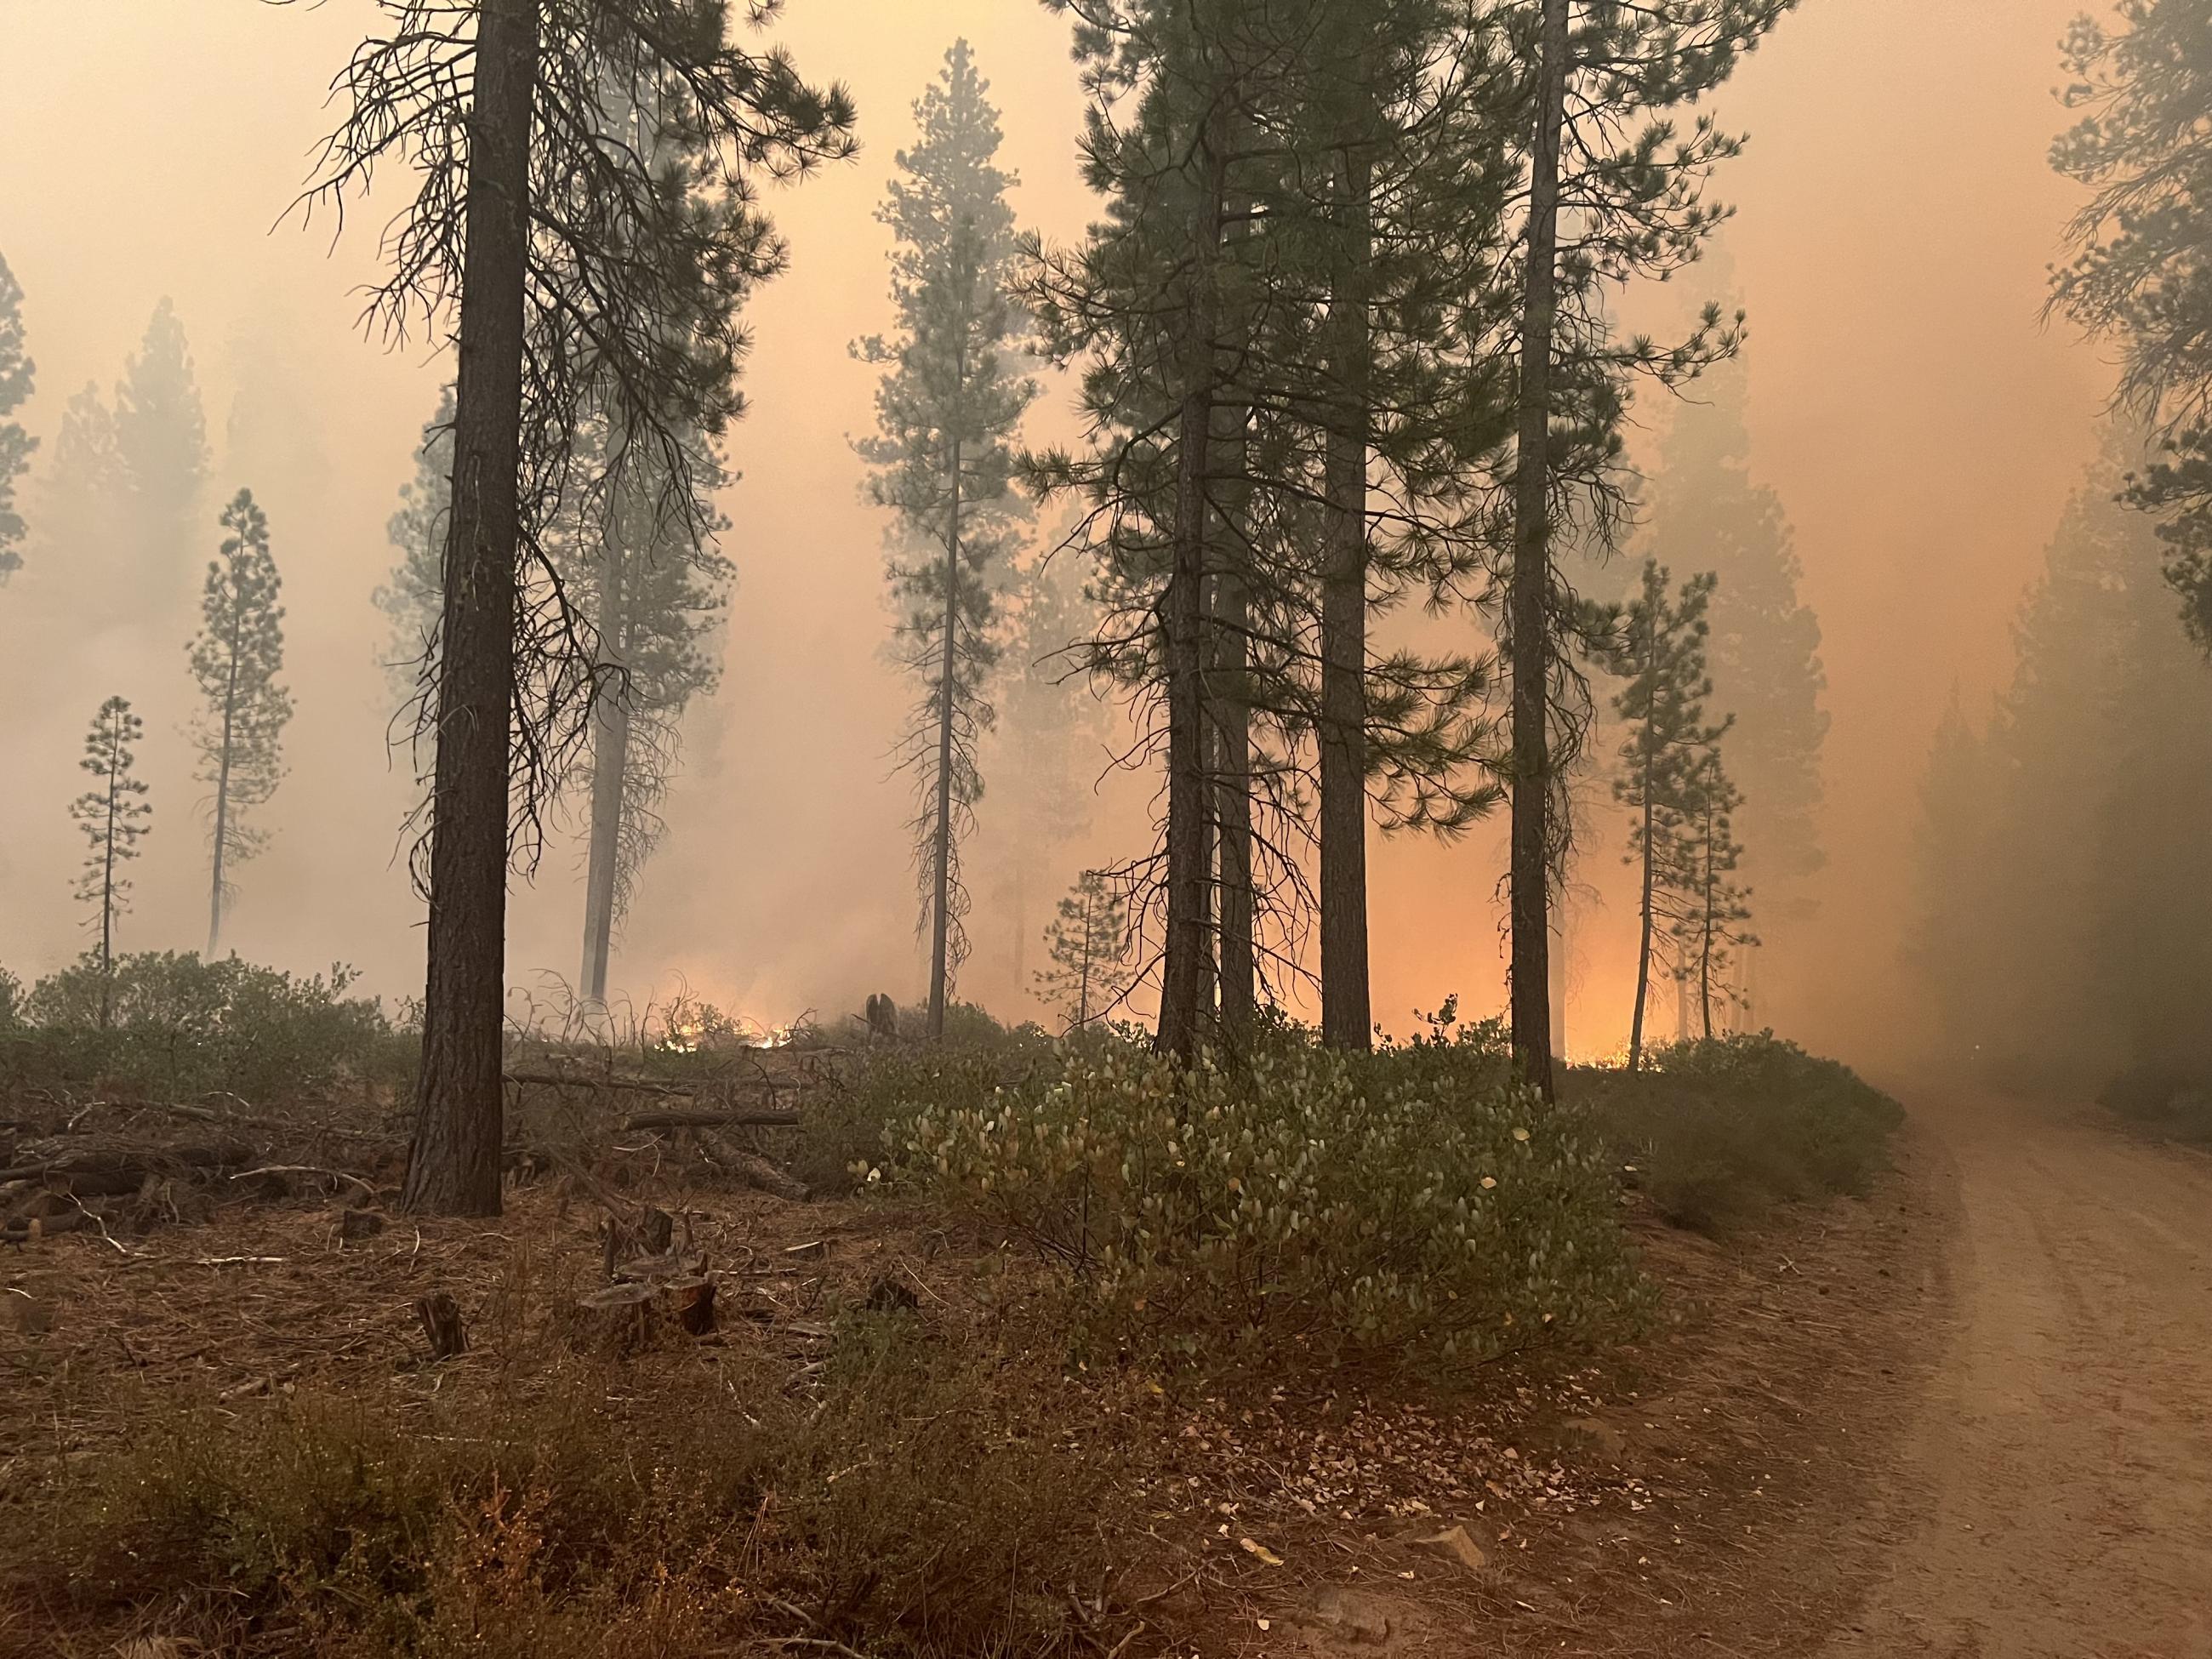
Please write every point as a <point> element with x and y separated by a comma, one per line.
<point>576,279</point>
<point>2143,267</point>
<point>1706,512</point>
<point>114,814</point>
<point>951,399</point>
<point>1090,943</point>
<point>1663,778</point>
<point>235,658</point>
<point>1714,927</point>
<point>18,375</point>
<point>161,456</point>
<point>411,595</point>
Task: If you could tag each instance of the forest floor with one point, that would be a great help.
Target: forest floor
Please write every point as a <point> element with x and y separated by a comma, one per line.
<point>1970,1416</point>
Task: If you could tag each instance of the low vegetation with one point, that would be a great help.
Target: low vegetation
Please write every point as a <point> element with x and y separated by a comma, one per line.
<point>2169,1101</point>
<point>1719,1131</point>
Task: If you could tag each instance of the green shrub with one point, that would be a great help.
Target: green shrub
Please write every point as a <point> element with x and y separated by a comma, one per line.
<point>178,1026</point>
<point>1720,1131</point>
<point>1405,1204</point>
<point>843,1131</point>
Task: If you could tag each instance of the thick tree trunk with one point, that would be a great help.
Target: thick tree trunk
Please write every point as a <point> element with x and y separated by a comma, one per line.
<point>940,921</point>
<point>1232,714</point>
<point>1346,1017</point>
<point>453,1163</point>
<point>1187,961</point>
<point>1528,621</point>
<point>610,765</point>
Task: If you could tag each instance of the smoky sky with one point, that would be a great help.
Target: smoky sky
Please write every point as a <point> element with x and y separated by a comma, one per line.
<point>1895,220</point>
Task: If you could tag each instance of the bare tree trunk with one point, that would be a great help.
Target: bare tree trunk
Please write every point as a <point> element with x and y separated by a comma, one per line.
<point>940,937</point>
<point>1706,936</point>
<point>1643,944</point>
<point>1347,1016</point>
<point>1232,796</point>
<point>222,790</point>
<point>1183,628</point>
<point>1528,623</point>
<point>453,1164</point>
<point>610,719</point>
<point>107,891</point>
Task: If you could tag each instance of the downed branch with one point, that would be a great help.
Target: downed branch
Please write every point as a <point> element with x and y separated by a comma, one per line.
<point>759,1117</point>
<point>112,1169</point>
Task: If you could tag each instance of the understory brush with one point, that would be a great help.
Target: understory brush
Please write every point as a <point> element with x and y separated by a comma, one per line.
<point>1718,1132</point>
<point>2172,1101</point>
<point>168,1024</point>
<point>1408,1205</point>
<point>911,1505</point>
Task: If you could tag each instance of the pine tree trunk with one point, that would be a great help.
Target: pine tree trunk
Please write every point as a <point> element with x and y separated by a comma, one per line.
<point>1705,939</point>
<point>222,792</point>
<point>1644,912</point>
<point>1233,807</point>
<point>1529,621</point>
<point>609,767</point>
<point>1346,1016</point>
<point>453,1163</point>
<point>940,926</point>
<point>1184,967</point>
<point>107,891</point>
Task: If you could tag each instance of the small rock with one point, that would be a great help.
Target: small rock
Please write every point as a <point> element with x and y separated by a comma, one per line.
<point>1349,1615</point>
<point>1454,1544</point>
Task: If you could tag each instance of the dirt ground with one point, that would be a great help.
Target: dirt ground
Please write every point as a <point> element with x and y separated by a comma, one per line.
<point>1969,1416</point>
<point>2053,1495</point>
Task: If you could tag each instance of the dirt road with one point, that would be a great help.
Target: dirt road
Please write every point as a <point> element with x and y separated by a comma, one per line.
<point>2052,1496</point>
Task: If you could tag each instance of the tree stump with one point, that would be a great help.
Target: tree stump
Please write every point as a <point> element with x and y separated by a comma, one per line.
<point>656,1232</point>
<point>441,1325</point>
<point>620,1320</point>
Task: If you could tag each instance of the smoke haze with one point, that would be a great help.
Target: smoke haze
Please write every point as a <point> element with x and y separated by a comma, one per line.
<point>1923,429</point>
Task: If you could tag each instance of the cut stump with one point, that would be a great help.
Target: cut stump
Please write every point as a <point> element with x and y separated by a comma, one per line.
<point>441,1325</point>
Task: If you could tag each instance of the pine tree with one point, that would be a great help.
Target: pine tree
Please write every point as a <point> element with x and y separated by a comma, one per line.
<point>1602,139</point>
<point>2143,271</point>
<point>1713,929</point>
<point>1664,779</point>
<point>1090,943</point>
<point>162,458</point>
<point>951,399</point>
<point>625,312</point>
<point>114,815</point>
<point>235,658</point>
<point>411,596</point>
<point>1706,512</point>
<point>18,374</point>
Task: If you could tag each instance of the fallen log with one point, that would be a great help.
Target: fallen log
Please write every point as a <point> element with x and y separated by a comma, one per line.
<point>759,1117</point>
<point>84,1172</point>
<point>636,1085</point>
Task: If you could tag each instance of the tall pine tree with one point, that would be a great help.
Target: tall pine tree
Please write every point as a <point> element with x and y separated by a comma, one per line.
<point>114,815</point>
<point>951,399</point>
<point>235,658</point>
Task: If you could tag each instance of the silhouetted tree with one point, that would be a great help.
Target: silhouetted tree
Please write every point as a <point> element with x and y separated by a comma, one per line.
<point>951,401</point>
<point>114,815</point>
<point>1090,943</point>
<point>235,658</point>
<point>162,460</point>
<point>2142,270</point>
<point>579,283</point>
<point>1662,776</point>
<point>1706,512</point>
<point>18,374</point>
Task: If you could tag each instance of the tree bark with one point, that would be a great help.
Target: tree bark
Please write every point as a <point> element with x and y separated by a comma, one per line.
<point>1528,621</point>
<point>1346,1017</point>
<point>1183,627</point>
<point>453,1163</point>
<point>940,924</point>
<point>610,765</point>
<point>1643,944</point>
<point>222,787</point>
